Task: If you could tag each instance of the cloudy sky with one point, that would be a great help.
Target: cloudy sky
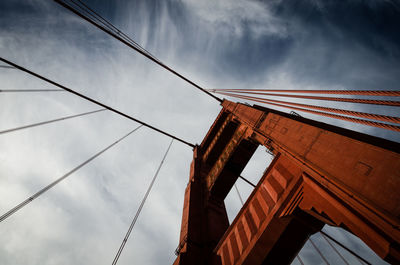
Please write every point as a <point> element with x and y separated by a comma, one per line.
<point>218,44</point>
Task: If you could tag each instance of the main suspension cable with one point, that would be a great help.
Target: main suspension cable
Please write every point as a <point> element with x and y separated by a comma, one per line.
<point>51,185</point>
<point>340,111</point>
<point>121,39</point>
<point>345,118</point>
<point>394,93</point>
<point>350,100</point>
<point>50,121</point>
<point>95,101</point>
<point>140,208</point>
<point>109,25</point>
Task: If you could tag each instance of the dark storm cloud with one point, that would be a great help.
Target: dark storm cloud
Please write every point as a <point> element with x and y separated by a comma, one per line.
<point>318,42</point>
<point>350,43</point>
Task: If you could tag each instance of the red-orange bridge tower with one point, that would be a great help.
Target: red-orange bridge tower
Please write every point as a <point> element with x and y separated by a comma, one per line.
<point>321,174</point>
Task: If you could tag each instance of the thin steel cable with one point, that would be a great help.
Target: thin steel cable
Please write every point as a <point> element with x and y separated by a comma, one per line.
<point>319,252</point>
<point>386,93</point>
<point>51,185</point>
<point>6,66</point>
<point>332,246</point>
<point>30,90</point>
<point>140,208</point>
<point>301,261</point>
<point>354,120</point>
<point>346,248</point>
<point>116,36</point>
<point>95,101</point>
<point>50,121</point>
<point>350,100</point>
<point>240,197</point>
<point>340,111</point>
<point>105,22</point>
<point>101,21</point>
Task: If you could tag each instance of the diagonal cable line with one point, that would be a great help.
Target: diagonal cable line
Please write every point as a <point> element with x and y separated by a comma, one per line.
<point>140,208</point>
<point>393,93</point>
<point>240,197</point>
<point>333,247</point>
<point>7,67</point>
<point>51,185</point>
<point>319,252</point>
<point>94,101</point>
<point>109,25</point>
<point>330,115</point>
<point>121,39</point>
<point>346,248</point>
<point>50,121</point>
<point>350,100</point>
<point>300,260</point>
<point>366,115</point>
<point>30,90</point>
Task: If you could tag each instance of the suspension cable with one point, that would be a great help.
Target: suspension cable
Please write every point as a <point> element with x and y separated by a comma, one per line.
<point>95,101</point>
<point>7,67</point>
<point>354,120</point>
<point>319,252</point>
<point>240,197</point>
<point>121,39</point>
<point>301,261</point>
<point>350,100</point>
<point>334,248</point>
<point>50,121</point>
<point>109,25</point>
<point>140,208</point>
<point>346,248</point>
<point>394,93</point>
<point>340,111</point>
<point>51,185</point>
<point>30,90</point>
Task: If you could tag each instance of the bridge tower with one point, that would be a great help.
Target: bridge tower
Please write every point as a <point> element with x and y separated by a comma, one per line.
<point>321,174</point>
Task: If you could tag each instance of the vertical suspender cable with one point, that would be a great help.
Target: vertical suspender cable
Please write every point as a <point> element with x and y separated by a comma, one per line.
<point>301,261</point>
<point>346,248</point>
<point>319,252</point>
<point>140,208</point>
<point>51,185</point>
<point>240,197</point>
<point>47,122</point>
<point>337,252</point>
<point>30,90</point>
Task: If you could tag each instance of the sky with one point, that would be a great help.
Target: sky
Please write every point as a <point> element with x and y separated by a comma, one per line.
<point>350,44</point>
